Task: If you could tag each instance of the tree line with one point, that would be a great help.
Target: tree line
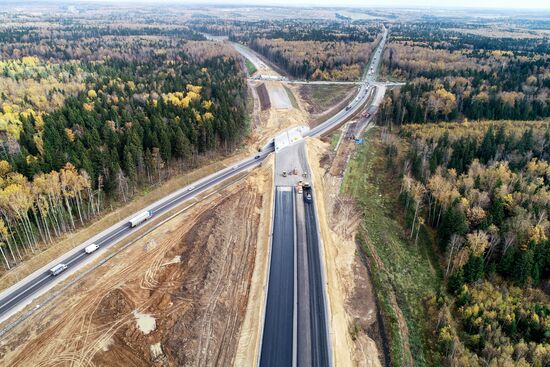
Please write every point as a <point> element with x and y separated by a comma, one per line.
<point>445,85</point>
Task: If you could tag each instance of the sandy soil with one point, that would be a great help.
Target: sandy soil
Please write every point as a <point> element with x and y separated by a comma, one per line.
<point>178,296</point>
<point>274,121</point>
<point>278,96</point>
<point>249,340</point>
<point>351,301</point>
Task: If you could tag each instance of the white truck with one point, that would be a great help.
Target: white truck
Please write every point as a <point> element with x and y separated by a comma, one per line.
<point>140,218</point>
<point>91,248</point>
<point>58,269</point>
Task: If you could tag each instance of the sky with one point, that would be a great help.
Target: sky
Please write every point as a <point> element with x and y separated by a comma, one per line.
<point>524,4</point>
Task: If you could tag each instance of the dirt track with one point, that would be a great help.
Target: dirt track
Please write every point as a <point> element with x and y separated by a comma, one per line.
<point>177,297</point>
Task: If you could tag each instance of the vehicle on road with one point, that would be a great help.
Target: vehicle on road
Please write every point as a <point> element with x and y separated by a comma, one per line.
<point>308,197</point>
<point>58,269</point>
<point>91,248</point>
<point>140,218</point>
<point>257,157</point>
<point>284,173</point>
<point>348,107</point>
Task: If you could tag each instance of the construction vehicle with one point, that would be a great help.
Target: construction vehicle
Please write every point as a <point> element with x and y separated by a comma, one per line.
<point>140,218</point>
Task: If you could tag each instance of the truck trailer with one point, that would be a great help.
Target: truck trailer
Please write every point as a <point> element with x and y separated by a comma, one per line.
<point>140,218</point>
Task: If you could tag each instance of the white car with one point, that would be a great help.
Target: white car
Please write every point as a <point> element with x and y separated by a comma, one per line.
<point>91,248</point>
<point>58,269</point>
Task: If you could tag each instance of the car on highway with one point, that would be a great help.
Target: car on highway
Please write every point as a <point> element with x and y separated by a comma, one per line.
<point>257,157</point>
<point>91,248</point>
<point>308,197</point>
<point>58,269</point>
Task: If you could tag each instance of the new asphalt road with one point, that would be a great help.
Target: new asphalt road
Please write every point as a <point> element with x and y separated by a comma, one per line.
<point>277,342</point>
<point>319,335</point>
<point>306,341</point>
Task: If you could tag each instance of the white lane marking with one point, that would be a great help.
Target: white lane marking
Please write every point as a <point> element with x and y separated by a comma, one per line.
<point>73,260</point>
<point>106,239</point>
<point>26,289</point>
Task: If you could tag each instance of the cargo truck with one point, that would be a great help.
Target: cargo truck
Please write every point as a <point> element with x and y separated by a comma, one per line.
<point>140,218</point>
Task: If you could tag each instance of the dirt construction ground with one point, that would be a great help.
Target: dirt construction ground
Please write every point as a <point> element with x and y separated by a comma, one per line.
<point>178,296</point>
<point>352,303</point>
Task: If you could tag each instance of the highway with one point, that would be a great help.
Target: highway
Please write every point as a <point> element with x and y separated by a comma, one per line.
<point>319,335</point>
<point>277,344</point>
<point>12,297</point>
<point>22,293</point>
<point>358,101</point>
<point>309,343</point>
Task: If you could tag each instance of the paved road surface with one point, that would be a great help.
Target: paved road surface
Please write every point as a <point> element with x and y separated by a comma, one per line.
<point>319,335</point>
<point>15,295</point>
<point>357,102</point>
<point>304,353</point>
<point>277,339</point>
<point>278,96</point>
<point>290,158</point>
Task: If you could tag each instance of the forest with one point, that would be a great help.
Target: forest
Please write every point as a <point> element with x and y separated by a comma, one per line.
<point>91,114</point>
<point>306,49</point>
<point>454,76</point>
<point>482,189</point>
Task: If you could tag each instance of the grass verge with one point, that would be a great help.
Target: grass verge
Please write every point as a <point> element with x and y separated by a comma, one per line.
<point>292,98</point>
<point>403,275</point>
<point>323,97</point>
<point>334,137</point>
<point>250,67</point>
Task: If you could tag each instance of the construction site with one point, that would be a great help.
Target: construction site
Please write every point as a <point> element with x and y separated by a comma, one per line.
<point>192,289</point>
